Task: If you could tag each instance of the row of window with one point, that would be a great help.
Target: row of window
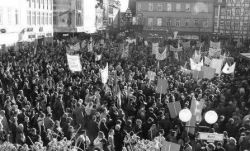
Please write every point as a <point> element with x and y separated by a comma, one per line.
<point>177,22</point>
<point>41,4</point>
<point>39,18</point>
<point>13,16</point>
<point>167,7</point>
<point>230,12</point>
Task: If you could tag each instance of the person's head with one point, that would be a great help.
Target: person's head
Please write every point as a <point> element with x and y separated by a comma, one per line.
<point>117,127</point>
<point>101,134</point>
<point>111,131</point>
<point>219,145</point>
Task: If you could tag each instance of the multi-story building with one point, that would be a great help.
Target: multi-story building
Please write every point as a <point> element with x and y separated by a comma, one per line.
<point>68,16</point>
<point>12,21</point>
<point>190,18</point>
<point>25,20</point>
<point>232,18</point>
<point>39,24</point>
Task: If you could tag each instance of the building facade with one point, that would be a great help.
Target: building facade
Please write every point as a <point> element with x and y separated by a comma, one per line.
<point>68,16</point>
<point>25,21</point>
<point>189,17</point>
<point>39,22</point>
<point>232,19</point>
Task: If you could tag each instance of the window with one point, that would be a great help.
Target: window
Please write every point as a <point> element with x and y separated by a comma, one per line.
<point>46,18</point>
<point>228,12</point>
<point>34,3</point>
<point>1,16</point>
<point>178,7</point>
<point>51,4</point>
<point>39,4</point>
<point>159,21</point>
<point>78,19</point>
<point>50,18</point>
<point>150,6</point>
<point>55,18</point>
<point>169,7</point>
<point>42,19</point>
<point>139,6</point>
<point>196,22</point>
<point>17,17</point>
<point>216,13</point>
<point>188,9</point>
<point>159,7</point>
<point>186,22</point>
<point>168,22</point>
<point>237,26</point>
<point>29,17</point>
<point>44,4</point>
<point>29,1</point>
<point>34,18</point>
<point>48,4</point>
<point>150,21</point>
<point>178,23</point>
<point>9,16</point>
<point>223,11</point>
<point>228,24</point>
<point>205,23</point>
<point>237,11</point>
<point>38,18</point>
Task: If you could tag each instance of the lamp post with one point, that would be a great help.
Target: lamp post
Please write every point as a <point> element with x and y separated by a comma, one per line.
<point>210,117</point>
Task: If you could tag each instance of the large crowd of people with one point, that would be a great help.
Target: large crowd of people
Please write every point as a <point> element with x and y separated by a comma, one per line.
<point>44,106</point>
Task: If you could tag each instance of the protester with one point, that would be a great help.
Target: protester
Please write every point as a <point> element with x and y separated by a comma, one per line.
<point>44,105</point>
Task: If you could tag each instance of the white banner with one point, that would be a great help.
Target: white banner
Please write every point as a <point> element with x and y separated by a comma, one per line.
<point>217,64</point>
<point>161,56</point>
<point>74,63</point>
<point>216,53</point>
<point>211,137</point>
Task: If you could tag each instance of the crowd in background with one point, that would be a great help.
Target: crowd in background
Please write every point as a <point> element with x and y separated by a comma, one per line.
<point>44,106</point>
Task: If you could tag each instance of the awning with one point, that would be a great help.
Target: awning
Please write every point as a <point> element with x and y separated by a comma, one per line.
<point>247,55</point>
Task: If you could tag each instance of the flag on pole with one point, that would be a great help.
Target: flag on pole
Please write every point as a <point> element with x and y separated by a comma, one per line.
<point>151,75</point>
<point>105,74</point>
<point>229,69</point>
<point>176,56</point>
<point>190,125</point>
<point>90,47</point>
<point>197,56</point>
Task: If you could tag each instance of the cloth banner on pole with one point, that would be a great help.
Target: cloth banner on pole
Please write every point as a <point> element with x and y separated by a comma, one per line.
<point>105,74</point>
<point>161,56</point>
<point>74,63</point>
<point>169,146</point>
<point>176,56</point>
<point>195,66</point>
<point>217,64</point>
<point>209,72</point>
<point>215,45</point>
<point>216,53</point>
<point>197,57</point>
<point>174,109</point>
<point>155,48</point>
<point>162,86</point>
<point>228,69</point>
